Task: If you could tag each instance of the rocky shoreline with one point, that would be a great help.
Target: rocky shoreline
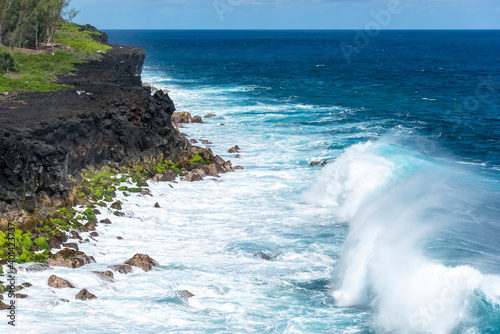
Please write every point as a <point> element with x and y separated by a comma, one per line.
<point>77,147</point>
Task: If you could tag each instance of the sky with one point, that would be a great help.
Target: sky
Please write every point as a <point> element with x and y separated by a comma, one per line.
<point>289,14</point>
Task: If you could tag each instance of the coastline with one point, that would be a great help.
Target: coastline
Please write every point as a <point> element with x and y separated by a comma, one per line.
<point>75,148</point>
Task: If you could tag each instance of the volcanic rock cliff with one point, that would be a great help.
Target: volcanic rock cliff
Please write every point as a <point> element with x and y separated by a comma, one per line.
<point>107,119</point>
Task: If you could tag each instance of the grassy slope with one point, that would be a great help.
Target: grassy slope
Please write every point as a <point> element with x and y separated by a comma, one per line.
<point>38,72</point>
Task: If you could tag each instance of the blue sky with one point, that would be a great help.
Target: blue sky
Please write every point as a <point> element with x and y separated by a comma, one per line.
<point>289,14</point>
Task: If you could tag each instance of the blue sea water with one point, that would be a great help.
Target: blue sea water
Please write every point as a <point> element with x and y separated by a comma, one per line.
<point>398,233</point>
<point>405,217</point>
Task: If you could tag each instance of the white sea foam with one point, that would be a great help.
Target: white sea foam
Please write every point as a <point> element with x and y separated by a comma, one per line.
<point>395,200</point>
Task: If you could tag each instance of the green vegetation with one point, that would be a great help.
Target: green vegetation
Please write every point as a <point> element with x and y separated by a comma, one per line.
<point>32,242</point>
<point>26,22</point>
<point>7,63</point>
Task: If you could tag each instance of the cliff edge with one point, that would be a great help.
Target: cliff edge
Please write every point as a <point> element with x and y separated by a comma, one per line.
<point>108,118</point>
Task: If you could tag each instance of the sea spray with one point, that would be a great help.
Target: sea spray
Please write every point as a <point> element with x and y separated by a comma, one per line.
<point>400,205</point>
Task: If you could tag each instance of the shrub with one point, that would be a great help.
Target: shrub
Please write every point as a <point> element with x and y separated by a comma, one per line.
<point>8,62</point>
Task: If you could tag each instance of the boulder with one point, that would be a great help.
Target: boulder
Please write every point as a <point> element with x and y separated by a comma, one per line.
<point>142,261</point>
<point>119,238</point>
<point>193,141</point>
<point>84,295</point>
<point>108,275</point>
<point>315,163</point>
<point>121,268</point>
<point>116,206</point>
<point>105,221</point>
<point>54,243</point>
<point>157,205</point>
<point>71,245</point>
<point>234,149</point>
<point>238,167</point>
<point>70,258</point>
<point>166,176</point>
<point>197,119</point>
<point>211,170</point>
<point>94,234</point>
<point>59,283</point>
<point>191,177</point>
<point>209,115</point>
<point>263,256</point>
<point>21,295</point>
<point>75,235</point>
<point>219,160</point>
<point>181,117</point>
<point>206,142</point>
<point>186,294</point>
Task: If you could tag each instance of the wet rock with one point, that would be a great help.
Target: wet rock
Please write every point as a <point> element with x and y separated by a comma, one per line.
<point>119,238</point>
<point>165,176</point>
<point>21,295</point>
<point>315,163</point>
<point>157,205</point>
<point>209,115</point>
<point>54,243</point>
<point>59,283</point>
<point>61,236</point>
<point>119,214</point>
<point>3,306</point>
<point>84,295</point>
<point>263,256</point>
<point>193,141</point>
<point>142,261</point>
<point>105,221</point>
<point>97,212</point>
<point>94,234</point>
<point>234,149</point>
<point>71,245</point>
<point>34,267</point>
<point>70,258</point>
<point>238,167</point>
<point>211,170</point>
<point>121,268</point>
<point>116,206</point>
<point>146,192</point>
<point>186,294</point>
<point>219,161</point>
<point>181,117</point>
<point>200,171</point>
<point>191,177</point>
<point>108,275</point>
<point>206,142</point>
<point>197,119</point>
<point>75,235</point>
<point>27,284</point>
<point>90,226</point>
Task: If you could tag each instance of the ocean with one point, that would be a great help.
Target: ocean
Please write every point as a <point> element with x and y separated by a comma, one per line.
<point>399,232</point>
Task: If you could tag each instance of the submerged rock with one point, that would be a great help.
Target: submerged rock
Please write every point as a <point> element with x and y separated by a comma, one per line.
<point>121,268</point>
<point>108,275</point>
<point>59,283</point>
<point>142,261</point>
<point>84,295</point>
<point>210,115</point>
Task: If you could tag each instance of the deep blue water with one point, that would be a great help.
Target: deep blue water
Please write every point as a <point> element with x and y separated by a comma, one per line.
<point>409,203</point>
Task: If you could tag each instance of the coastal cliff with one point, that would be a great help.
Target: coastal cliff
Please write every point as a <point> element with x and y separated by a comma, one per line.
<point>108,118</point>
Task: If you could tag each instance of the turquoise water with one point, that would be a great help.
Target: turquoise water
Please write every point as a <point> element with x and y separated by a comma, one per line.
<point>398,233</point>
